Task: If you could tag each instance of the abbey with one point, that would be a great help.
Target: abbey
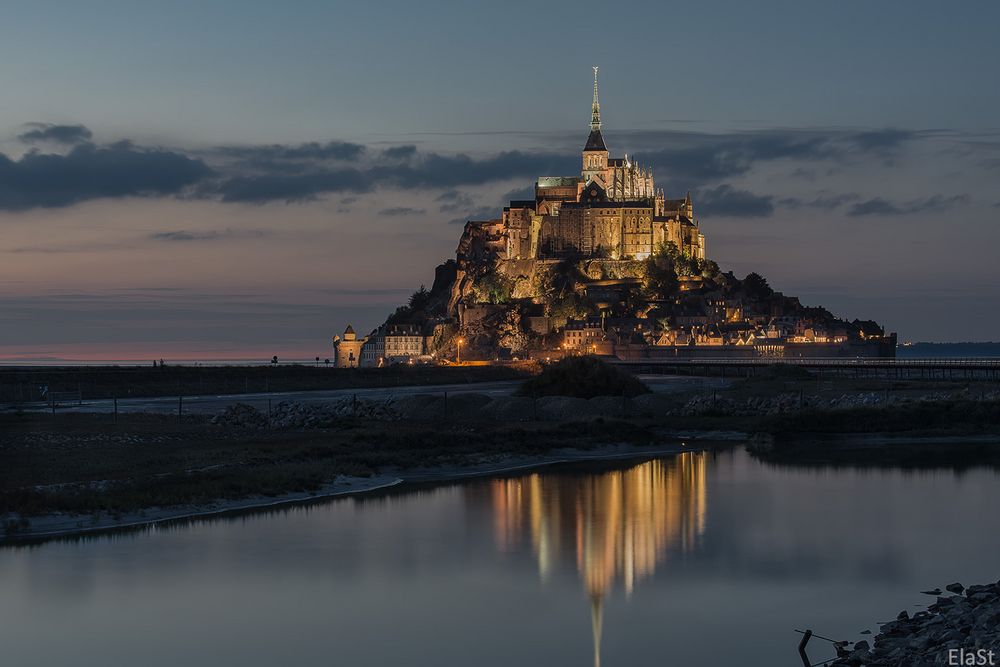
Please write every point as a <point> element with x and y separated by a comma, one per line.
<point>601,263</point>
<point>612,210</point>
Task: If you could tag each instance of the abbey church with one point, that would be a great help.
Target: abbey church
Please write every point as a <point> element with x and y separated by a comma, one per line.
<point>601,263</point>
<point>612,210</point>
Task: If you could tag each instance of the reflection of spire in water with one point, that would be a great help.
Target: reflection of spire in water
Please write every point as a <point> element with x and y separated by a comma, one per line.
<point>596,608</point>
<point>615,525</point>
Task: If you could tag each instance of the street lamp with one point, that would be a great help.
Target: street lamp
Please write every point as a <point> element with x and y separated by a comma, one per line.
<point>458,359</point>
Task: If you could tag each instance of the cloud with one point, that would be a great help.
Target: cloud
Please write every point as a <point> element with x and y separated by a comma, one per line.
<point>882,207</point>
<point>453,200</point>
<point>400,152</point>
<point>304,172</point>
<point>826,201</point>
<point>518,194</point>
<point>727,201</point>
<point>184,235</point>
<point>58,134</point>
<point>423,171</point>
<point>41,180</point>
<point>397,211</point>
<point>291,187</point>
<point>694,158</point>
<point>313,150</point>
<point>366,291</point>
<point>481,213</point>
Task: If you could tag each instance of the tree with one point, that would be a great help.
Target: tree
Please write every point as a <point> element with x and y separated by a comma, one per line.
<point>494,287</point>
<point>420,299</point>
<point>568,306</point>
<point>755,285</point>
<point>661,272</point>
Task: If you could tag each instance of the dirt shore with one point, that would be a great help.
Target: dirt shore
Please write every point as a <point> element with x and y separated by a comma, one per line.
<point>57,525</point>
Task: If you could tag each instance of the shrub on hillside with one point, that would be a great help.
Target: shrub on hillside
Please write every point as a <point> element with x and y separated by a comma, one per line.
<point>582,377</point>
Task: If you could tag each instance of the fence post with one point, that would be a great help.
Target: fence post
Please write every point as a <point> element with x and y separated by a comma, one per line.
<point>116,409</point>
<point>806,636</point>
<point>180,407</point>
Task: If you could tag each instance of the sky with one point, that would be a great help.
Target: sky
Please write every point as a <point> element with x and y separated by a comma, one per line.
<point>223,179</point>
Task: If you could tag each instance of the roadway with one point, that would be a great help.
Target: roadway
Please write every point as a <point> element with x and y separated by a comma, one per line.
<point>212,404</point>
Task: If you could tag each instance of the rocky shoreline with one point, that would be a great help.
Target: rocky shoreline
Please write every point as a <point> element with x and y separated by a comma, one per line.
<point>480,407</point>
<point>957,629</point>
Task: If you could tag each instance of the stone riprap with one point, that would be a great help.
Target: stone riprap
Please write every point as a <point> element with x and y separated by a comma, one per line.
<point>953,628</point>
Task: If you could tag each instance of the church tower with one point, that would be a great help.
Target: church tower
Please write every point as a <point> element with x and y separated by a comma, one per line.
<point>595,152</point>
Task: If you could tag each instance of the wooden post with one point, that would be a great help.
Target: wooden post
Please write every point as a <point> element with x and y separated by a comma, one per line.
<point>116,409</point>
<point>802,647</point>
<point>180,407</point>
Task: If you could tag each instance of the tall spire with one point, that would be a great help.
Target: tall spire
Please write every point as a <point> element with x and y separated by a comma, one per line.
<point>595,118</point>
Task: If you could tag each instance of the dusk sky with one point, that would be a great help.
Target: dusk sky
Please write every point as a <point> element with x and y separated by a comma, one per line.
<point>241,179</point>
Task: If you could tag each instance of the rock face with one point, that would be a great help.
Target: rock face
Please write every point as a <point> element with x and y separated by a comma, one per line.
<point>951,630</point>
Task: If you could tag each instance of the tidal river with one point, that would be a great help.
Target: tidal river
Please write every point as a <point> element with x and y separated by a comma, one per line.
<point>698,559</point>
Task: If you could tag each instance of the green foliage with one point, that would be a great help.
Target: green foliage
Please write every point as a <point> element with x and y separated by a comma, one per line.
<point>582,377</point>
<point>660,279</point>
<point>415,309</point>
<point>710,270</point>
<point>420,299</point>
<point>493,287</point>
<point>568,306</point>
<point>755,285</point>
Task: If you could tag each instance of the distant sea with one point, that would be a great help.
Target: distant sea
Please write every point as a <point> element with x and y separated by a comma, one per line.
<point>140,362</point>
<point>947,350</point>
<point>903,351</point>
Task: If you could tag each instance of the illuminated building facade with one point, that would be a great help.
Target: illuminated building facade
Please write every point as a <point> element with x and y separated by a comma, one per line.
<point>612,210</point>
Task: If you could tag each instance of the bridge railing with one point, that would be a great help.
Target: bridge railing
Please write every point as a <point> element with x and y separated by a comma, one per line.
<point>979,362</point>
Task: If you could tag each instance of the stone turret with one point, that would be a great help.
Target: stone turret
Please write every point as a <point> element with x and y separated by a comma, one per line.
<point>347,349</point>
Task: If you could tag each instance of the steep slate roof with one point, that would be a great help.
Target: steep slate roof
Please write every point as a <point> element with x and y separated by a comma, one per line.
<point>595,142</point>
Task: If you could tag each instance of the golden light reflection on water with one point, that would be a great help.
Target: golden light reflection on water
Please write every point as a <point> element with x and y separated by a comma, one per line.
<point>617,526</point>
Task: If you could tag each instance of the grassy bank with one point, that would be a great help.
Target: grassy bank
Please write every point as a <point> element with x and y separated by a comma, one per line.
<point>77,464</point>
<point>23,384</point>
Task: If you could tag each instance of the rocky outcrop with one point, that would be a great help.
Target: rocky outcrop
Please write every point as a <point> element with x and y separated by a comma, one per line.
<point>952,629</point>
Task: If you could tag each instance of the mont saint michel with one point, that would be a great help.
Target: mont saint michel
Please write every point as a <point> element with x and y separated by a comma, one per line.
<point>601,263</point>
<point>550,334</point>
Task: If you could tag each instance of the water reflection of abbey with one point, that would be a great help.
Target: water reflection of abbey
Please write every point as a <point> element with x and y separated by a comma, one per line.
<point>615,526</point>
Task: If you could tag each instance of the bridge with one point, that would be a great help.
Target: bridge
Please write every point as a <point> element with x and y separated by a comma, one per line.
<point>957,368</point>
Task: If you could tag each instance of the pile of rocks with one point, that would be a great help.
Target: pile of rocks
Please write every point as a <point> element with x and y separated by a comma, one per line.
<point>957,623</point>
<point>755,405</point>
<point>291,415</point>
<point>241,416</point>
<point>862,400</point>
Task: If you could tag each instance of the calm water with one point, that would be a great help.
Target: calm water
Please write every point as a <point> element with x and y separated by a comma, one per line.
<point>702,559</point>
